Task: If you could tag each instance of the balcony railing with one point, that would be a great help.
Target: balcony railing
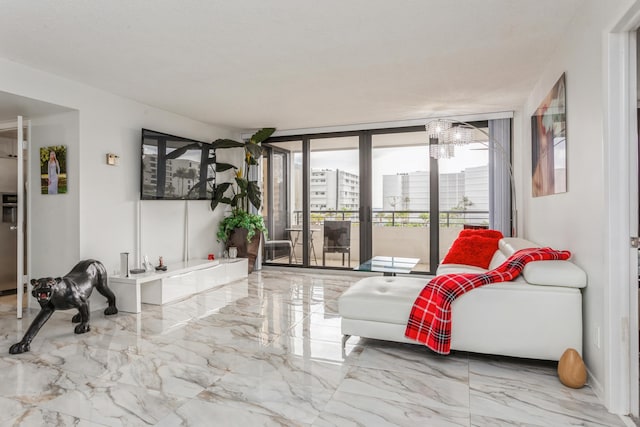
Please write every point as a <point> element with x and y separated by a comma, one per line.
<point>396,218</point>
<point>396,233</point>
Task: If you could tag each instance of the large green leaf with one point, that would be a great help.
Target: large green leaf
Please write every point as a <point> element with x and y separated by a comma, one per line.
<point>221,167</point>
<point>262,134</point>
<point>254,194</point>
<point>218,194</point>
<point>242,184</point>
<point>244,192</point>
<point>226,143</point>
<point>222,188</point>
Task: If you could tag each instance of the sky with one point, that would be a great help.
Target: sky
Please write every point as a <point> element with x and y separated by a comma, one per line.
<point>398,160</point>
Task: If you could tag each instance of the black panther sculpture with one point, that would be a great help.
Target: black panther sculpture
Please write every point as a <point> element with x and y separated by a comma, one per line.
<point>70,291</point>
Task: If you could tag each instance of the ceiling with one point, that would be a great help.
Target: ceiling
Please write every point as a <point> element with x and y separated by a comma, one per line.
<point>14,105</point>
<point>294,63</point>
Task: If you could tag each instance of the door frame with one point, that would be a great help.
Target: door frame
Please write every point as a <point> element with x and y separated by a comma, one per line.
<point>621,196</point>
<point>23,206</point>
<point>268,154</point>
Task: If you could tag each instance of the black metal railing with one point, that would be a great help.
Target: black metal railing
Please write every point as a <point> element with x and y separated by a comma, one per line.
<point>396,218</point>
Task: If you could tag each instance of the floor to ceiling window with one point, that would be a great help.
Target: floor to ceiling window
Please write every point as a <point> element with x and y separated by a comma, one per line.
<point>336,200</point>
<point>400,180</point>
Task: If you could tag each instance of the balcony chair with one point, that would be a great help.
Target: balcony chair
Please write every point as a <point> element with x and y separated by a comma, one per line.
<point>337,239</point>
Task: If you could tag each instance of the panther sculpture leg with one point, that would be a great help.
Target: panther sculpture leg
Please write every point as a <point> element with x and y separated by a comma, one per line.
<point>38,322</point>
<point>83,314</point>
<point>108,294</point>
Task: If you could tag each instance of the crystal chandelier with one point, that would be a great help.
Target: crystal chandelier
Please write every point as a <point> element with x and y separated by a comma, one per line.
<point>447,136</point>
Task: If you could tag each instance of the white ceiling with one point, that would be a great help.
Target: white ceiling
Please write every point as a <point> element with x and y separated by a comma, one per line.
<point>294,63</point>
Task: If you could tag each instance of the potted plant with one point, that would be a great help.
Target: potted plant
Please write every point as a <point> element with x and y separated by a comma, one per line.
<point>241,228</point>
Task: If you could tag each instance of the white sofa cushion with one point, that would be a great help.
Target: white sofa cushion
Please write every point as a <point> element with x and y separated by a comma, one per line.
<point>381,299</point>
<point>390,299</point>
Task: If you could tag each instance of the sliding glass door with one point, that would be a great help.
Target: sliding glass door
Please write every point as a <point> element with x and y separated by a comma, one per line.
<point>334,201</point>
<point>337,200</point>
<point>276,202</point>
<point>400,181</point>
<point>283,193</point>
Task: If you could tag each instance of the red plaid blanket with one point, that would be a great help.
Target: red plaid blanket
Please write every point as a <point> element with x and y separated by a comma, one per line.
<point>430,318</point>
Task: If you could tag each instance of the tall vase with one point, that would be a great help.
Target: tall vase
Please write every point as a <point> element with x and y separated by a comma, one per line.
<point>238,238</point>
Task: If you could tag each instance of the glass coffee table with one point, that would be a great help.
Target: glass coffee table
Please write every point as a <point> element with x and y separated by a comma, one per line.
<point>389,265</point>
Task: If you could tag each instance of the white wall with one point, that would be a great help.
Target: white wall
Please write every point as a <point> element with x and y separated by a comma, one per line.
<point>111,193</point>
<point>97,219</point>
<point>575,220</point>
<point>55,237</point>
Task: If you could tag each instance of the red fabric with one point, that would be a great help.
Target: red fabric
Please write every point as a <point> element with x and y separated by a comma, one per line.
<point>492,234</point>
<point>472,250</point>
<point>430,317</point>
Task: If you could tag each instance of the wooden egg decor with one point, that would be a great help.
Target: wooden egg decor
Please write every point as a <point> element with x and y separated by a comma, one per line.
<point>572,371</point>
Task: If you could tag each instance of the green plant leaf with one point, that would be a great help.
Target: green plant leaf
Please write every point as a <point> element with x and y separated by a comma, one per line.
<point>262,134</point>
<point>242,184</point>
<point>226,143</point>
<point>244,192</point>
<point>218,194</point>
<point>254,194</point>
<point>240,219</point>
<point>234,201</point>
<point>221,167</point>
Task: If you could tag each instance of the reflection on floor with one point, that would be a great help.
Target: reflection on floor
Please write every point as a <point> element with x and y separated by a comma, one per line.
<point>333,263</point>
<point>265,351</point>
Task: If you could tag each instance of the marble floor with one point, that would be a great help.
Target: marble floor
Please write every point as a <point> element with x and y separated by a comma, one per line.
<point>265,351</point>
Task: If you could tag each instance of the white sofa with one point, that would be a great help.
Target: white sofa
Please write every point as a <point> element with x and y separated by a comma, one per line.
<point>538,315</point>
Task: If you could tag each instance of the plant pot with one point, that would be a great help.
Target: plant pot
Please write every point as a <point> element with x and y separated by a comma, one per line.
<point>233,252</point>
<point>238,238</point>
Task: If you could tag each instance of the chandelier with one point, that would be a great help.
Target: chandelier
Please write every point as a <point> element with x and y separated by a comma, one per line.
<point>444,135</point>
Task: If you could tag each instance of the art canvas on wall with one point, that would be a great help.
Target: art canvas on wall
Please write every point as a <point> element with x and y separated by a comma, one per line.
<point>53,169</point>
<point>549,143</point>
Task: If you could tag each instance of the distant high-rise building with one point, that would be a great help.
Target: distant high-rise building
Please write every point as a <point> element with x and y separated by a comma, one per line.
<point>411,191</point>
<point>391,192</point>
<point>452,190</point>
<point>476,187</point>
<point>334,189</point>
<point>406,191</point>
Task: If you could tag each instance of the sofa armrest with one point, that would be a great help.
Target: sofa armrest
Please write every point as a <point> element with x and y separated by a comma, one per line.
<point>555,273</point>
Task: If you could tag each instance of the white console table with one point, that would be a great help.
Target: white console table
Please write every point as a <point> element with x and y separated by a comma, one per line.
<point>179,281</point>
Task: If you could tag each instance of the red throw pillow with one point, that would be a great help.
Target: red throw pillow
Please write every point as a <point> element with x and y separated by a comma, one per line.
<point>472,250</point>
<point>494,234</point>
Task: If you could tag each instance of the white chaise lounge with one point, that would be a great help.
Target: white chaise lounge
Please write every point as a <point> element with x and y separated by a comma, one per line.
<point>538,315</point>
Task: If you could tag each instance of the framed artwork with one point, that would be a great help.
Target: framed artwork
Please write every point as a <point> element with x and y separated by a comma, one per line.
<point>549,143</point>
<point>53,169</point>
